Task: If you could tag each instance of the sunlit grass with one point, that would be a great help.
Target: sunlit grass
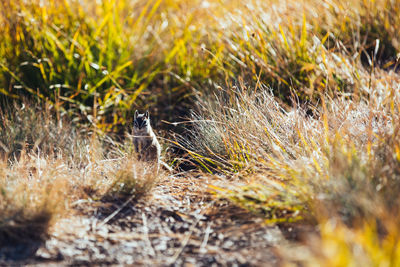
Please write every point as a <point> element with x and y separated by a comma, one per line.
<point>340,245</point>
<point>340,164</point>
<point>32,196</point>
<point>47,166</point>
<point>295,103</point>
<point>100,60</point>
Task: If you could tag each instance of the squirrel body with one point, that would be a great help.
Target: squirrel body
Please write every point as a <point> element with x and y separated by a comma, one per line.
<point>147,147</point>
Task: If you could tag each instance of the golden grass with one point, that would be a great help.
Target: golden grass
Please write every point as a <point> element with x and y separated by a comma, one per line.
<point>341,163</point>
<point>32,192</point>
<point>297,103</point>
<point>99,61</point>
<point>340,245</point>
<point>41,180</point>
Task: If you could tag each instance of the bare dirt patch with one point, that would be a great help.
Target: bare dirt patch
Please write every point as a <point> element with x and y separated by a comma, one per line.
<point>178,224</point>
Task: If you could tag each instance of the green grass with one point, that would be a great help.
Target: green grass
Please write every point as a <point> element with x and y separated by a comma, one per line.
<point>98,61</point>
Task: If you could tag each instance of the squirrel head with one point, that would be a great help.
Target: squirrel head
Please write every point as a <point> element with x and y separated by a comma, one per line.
<point>141,122</point>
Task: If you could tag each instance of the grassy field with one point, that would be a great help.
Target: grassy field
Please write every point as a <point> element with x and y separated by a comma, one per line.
<point>291,109</point>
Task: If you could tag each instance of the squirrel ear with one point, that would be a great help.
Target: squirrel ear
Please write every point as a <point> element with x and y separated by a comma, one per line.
<point>146,114</point>
<point>136,114</point>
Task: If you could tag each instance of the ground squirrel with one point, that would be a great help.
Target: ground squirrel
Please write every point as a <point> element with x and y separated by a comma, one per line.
<point>145,141</point>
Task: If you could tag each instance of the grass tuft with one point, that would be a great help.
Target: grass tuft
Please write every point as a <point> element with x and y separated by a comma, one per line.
<point>32,196</point>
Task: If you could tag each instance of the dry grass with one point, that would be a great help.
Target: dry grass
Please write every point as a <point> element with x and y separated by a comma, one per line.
<point>42,178</point>
<point>297,109</point>
<point>340,164</point>
<point>27,127</point>
<point>119,178</point>
<point>32,193</point>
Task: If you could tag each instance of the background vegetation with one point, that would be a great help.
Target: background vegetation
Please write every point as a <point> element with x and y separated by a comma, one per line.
<point>295,103</point>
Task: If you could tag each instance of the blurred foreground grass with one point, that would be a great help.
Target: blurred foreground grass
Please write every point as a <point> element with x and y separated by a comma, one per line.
<point>296,102</point>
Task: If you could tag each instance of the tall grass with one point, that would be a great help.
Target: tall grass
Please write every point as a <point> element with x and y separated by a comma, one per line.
<point>342,164</point>
<point>99,60</point>
<point>39,129</point>
<point>93,60</point>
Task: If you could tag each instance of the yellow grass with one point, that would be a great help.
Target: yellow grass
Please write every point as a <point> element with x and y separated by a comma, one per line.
<point>295,103</point>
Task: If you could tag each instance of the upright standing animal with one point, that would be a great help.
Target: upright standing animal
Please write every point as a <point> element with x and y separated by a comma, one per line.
<point>145,141</point>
